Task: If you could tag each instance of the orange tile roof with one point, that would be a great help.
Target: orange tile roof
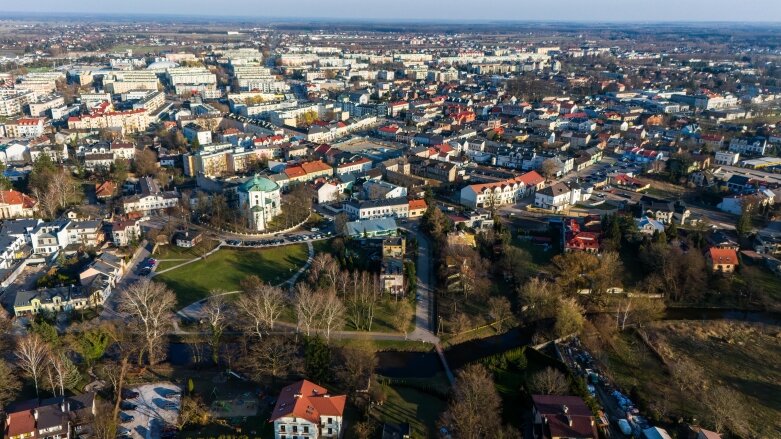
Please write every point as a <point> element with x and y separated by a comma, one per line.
<point>529,179</point>
<point>20,423</point>
<point>295,171</point>
<point>723,256</point>
<point>14,197</point>
<point>315,166</point>
<point>417,204</point>
<point>309,401</point>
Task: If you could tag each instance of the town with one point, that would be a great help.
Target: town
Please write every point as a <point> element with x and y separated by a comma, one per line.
<point>293,229</point>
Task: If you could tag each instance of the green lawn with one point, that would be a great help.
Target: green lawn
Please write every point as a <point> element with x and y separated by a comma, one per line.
<point>171,251</point>
<point>421,410</point>
<point>225,270</point>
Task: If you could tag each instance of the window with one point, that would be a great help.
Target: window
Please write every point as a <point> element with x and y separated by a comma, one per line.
<point>330,420</point>
<point>306,429</point>
<point>282,428</point>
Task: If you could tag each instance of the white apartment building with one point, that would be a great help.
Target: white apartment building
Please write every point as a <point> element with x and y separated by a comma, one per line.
<point>305,410</point>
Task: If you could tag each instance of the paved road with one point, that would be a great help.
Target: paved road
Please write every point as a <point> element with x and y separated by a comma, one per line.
<point>112,302</point>
<point>424,309</point>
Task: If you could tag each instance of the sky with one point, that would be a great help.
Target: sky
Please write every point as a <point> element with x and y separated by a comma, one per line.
<point>432,10</point>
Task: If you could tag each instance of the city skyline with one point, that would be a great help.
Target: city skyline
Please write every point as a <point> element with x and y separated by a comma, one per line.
<point>436,10</point>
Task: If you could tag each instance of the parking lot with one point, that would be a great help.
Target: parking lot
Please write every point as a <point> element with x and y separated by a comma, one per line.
<point>284,239</point>
<point>150,411</point>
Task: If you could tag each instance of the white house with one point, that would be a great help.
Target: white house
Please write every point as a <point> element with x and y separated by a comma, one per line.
<point>726,158</point>
<point>556,197</point>
<point>486,195</point>
<point>306,410</point>
<point>648,226</point>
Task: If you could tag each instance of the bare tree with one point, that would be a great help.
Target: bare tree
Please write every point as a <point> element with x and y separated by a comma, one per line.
<point>275,357</point>
<point>149,304</point>
<point>500,310</point>
<point>727,411</point>
<point>356,365</point>
<point>32,353</point>
<point>549,168</point>
<point>308,307</point>
<point>401,317</point>
<point>261,304</point>
<point>474,410</point>
<point>538,298</point>
<point>332,314</point>
<point>65,372</point>
<point>549,381</point>
<point>193,412</point>
<point>215,314</point>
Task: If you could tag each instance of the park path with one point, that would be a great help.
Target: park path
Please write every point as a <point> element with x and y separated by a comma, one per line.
<point>190,261</point>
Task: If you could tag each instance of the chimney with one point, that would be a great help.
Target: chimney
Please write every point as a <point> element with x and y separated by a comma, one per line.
<point>569,420</point>
<point>564,408</point>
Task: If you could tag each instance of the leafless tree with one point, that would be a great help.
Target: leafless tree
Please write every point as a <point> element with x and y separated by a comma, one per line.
<point>474,410</point>
<point>401,317</point>
<point>500,310</point>
<point>261,304</point>
<point>275,357</point>
<point>361,296</point>
<point>538,298</point>
<point>549,168</point>
<point>9,384</point>
<point>65,372</point>
<point>356,364</point>
<point>308,307</point>
<point>727,411</point>
<point>549,381</point>
<point>32,353</point>
<point>332,314</point>
<point>150,305</point>
<point>215,314</point>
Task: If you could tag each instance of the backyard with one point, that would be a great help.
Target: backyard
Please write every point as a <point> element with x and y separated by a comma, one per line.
<point>226,268</point>
<point>417,408</point>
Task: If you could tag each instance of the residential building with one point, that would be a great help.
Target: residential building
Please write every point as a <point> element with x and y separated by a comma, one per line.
<point>666,212</point>
<point>755,146</point>
<point>722,260</point>
<point>25,127</point>
<point>559,417</point>
<point>417,208</point>
<point>726,158</point>
<point>367,209</point>
<point>648,226</point>
<point>125,231</point>
<point>54,418</point>
<point>494,194</point>
<point>306,410</point>
<point>14,204</point>
<point>556,197</point>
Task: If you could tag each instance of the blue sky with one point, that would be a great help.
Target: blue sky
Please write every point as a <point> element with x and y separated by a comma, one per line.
<point>569,10</point>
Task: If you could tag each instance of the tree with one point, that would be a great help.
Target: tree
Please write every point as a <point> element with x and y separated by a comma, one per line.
<point>401,317</point>
<point>308,307</point>
<point>332,312</point>
<point>743,226</point>
<point>275,357</point>
<point>193,412</point>
<point>499,309</point>
<point>549,381</point>
<point>549,168</point>
<point>92,344</point>
<point>317,359</point>
<point>569,317</point>
<point>261,304</point>
<point>355,365</point>
<point>474,410</point>
<point>104,425</point>
<point>9,384</point>
<point>31,354</point>
<point>149,306</point>
<point>215,314</point>
<point>119,169</point>
<point>538,298</point>
<point>145,162</point>
<point>727,411</point>
<point>66,373</point>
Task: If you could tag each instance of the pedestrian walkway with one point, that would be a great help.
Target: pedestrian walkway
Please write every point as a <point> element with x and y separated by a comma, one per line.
<point>190,261</point>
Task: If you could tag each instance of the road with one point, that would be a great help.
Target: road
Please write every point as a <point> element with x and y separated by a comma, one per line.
<point>424,298</point>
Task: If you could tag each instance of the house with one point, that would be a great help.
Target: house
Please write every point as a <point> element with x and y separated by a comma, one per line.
<point>125,232</point>
<point>393,247</point>
<point>14,204</point>
<point>739,184</point>
<point>723,260</point>
<point>105,190</point>
<point>59,299</point>
<point>494,194</point>
<point>372,228</point>
<point>306,410</point>
<point>666,212</point>
<point>392,275</point>
<point>187,238</point>
<point>55,418</point>
<point>366,209</point>
<point>12,249</point>
<point>417,208</point>
<point>735,205</point>
<point>577,239</point>
<point>562,417</point>
<point>555,197</point>
<point>108,265</point>
<point>648,226</point>
<point>726,158</point>
<point>629,183</point>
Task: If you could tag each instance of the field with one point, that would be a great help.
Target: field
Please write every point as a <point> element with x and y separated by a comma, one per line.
<point>405,404</point>
<point>742,357</point>
<point>226,268</point>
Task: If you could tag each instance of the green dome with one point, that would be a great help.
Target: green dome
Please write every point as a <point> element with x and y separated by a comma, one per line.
<point>259,184</point>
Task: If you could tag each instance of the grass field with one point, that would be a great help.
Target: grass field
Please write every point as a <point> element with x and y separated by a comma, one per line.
<point>405,404</point>
<point>740,356</point>
<point>226,268</point>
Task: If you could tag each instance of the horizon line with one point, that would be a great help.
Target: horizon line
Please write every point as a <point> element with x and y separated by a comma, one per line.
<point>370,20</point>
